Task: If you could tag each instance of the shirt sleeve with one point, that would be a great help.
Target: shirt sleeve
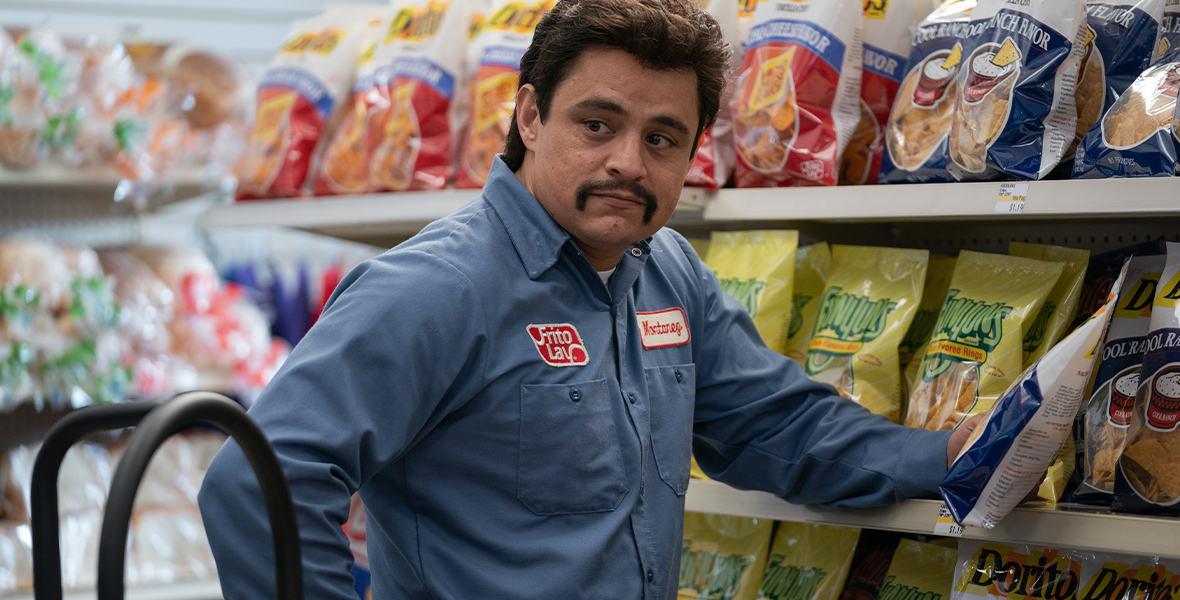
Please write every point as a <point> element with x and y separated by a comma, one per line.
<point>760,423</point>
<point>365,384</point>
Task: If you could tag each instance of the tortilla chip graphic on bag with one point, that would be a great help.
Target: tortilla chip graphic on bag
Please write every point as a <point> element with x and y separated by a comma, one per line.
<point>1007,55</point>
<point>954,58</point>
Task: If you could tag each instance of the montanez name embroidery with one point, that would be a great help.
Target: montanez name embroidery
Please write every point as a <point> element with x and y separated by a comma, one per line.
<point>895,591</point>
<point>712,574</point>
<point>967,331</point>
<point>745,291</point>
<point>1040,325</point>
<point>844,324</point>
<point>788,582</point>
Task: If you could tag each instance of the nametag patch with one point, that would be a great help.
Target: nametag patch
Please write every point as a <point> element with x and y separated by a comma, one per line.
<point>663,328</point>
<point>559,345</point>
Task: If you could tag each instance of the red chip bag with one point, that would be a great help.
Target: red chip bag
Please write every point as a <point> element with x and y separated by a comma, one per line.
<point>713,163</point>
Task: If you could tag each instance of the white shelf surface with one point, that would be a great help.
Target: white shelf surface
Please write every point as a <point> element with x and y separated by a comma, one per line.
<point>198,590</point>
<point>1086,530</point>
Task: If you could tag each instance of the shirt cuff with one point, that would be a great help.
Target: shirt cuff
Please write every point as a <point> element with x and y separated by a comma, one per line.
<point>922,465</point>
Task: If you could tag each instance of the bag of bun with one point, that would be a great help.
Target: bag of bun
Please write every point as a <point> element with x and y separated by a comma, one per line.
<point>1015,113</point>
<point>797,93</point>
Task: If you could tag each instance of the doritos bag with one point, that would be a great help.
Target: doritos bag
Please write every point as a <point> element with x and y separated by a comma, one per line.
<point>1057,313</point>
<point>508,33</point>
<point>995,571</point>
<point>1137,136</point>
<point>299,98</point>
<point>757,268</point>
<point>1121,577</point>
<point>812,265</point>
<point>869,301</point>
<point>722,556</point>
<point>916,133</point>
<point>414,152</point>
<point>1148,476</point>
<point>887,42</point>
<point>808,562</point>
<point>920,570</point>
<point>1007,454</point>
<point>974,354</point>
<point>1116,380</point>
<point>796,102</point>
<point>1014,110</point>
<point>1103,270</point>
<point>713,162</point>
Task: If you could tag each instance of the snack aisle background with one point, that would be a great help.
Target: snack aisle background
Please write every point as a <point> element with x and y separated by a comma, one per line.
<point>1096,215</point>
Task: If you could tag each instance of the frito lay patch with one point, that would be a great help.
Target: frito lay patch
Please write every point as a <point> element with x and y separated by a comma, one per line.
<point>757,268</point>
<point>812,265</point>
<point>808,562</point>
<point>722,556</point>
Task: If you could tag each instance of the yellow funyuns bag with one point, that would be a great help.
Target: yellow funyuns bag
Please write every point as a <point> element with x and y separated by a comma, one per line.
<point>812,265</point>
<point>1060,308</point>
<point>722,556</point>
<point>938,281</point>
<point>757,268</point>
<point>920,572</point>
<point>808,562</point>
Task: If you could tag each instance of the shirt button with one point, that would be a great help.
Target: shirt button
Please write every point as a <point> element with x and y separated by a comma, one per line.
<point>679,376</point>
<point>631,397</point>
<point>575,395</point>
<point>650,576</point>
<point>636,252</point>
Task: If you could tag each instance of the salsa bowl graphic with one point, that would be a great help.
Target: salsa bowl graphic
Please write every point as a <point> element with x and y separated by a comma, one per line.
<point>1122,396</point>
<point>1163,402</point>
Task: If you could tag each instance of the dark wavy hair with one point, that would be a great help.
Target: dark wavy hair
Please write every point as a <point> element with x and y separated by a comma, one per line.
<point>660,34</point>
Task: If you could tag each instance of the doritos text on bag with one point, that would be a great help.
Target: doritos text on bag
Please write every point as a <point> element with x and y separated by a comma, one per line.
<point>757,268</point>
<point>994,571</point>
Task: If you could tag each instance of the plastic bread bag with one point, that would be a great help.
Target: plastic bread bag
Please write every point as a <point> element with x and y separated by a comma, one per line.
<point>920,120</point>
<point>808,561</point>
<point>503,41</point>
<point>722,556</point>
<point>1116,380</point>
<point>796,101</point>
<point>757,268</point>
<point>887,35</point>
<point>1060,307</point>
<point>27,75</point>
<point>1147,479</point>
<point>975,351</point>
<point>997,570</point>
<point>868,303</point>
<point>1025,429</point>
<point>714,160</point>
<point>1014,110</point>
<point>812,265</point>
<point>920,570</point>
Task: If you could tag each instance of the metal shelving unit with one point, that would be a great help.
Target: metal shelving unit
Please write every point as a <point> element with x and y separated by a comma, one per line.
<point>196,590</point>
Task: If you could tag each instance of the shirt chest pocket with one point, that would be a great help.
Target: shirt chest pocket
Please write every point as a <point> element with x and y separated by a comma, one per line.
<point>570,461</point>
<point>672,392</point>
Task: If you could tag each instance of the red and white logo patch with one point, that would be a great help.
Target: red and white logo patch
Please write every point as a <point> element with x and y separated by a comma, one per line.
<point>663,328</point>
<point>559,345</point>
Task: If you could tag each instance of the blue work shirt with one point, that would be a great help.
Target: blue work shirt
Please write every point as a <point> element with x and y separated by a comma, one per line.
<point>517,430</point>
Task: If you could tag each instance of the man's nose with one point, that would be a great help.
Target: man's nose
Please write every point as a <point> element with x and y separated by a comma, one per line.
<point>626,158</point>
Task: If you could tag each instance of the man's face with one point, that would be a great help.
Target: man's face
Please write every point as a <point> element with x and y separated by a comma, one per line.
<point>610,159</point>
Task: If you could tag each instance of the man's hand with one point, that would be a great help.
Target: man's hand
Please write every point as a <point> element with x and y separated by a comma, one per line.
<point>959,438</point>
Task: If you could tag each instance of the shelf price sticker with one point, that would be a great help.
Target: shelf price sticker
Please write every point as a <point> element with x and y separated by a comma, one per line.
<point>946,525</point>
<point>1012,198</point>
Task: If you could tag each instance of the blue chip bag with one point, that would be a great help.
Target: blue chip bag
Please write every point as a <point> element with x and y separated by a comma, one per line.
<point>1169,32</point>
<point>1008,453</point>
<point>1015,112</point>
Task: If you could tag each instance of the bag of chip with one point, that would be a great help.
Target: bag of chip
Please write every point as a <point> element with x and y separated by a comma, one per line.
<point>938,280</point>
<point>713,162</point>
<point>920,120</point>
<point>299,95</point>
<point>1122,577</point>
<point>1014,111</point>
<point>812,265</point>
<point>995,570</point>
<point>870,564</point>
<point>1102,271</point>
<point>426,80</point>
<point>920,570</point>
<point>796,100</point>
<point>1060,308</point>
<point>974,353</point>
<point>505,37</point>
<point>1147,479</point>
<point>757,268</point>
<point>887,42</point>
<point>1116,380</point>
<point>868,303</point>
<point>1137,136</point>
<point>808,561</point>
<point>1169,31</point>
<point>722,556</point>
<point>1008,453</point>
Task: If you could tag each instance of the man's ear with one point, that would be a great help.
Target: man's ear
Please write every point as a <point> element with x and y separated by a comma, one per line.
<point>528,115</point>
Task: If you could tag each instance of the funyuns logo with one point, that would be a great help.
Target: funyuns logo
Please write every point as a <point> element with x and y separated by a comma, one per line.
<point>788,582</point>
<point>559,345</point>
<point>844,324</point>
<point>1040,326</point>
<point>746,292</point>
<point>712,574</point>
<point>967,331</point>
<point>798,301</point>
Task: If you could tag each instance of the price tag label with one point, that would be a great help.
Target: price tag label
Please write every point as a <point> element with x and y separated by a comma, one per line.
<point>1012,198</point>
<point>946,525</point>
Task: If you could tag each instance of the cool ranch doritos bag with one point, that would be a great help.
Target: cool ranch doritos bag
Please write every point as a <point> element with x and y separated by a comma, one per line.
<point>812,265</point>
<point>1169,31</point>
<point>887,42</point>
<point>1014,110</point>
<point>920,120</point>
<point>757,268</point>
<point>808,561</point>
<point>506,35</point>
<point>298,97</point>
<point>722,556</point>
<point>713,163</point>
<point>869,301</point>
<point>796,104</point>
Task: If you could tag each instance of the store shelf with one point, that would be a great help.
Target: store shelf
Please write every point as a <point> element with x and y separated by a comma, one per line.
<point>201,590</point>
<point>1080,529</point>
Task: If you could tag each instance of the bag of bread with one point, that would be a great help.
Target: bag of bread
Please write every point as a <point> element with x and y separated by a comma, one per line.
<point>920,570</point>
<point>974,353</point>
<point>505,37</point>
<point>1054,317</point>
<point>796,101</point>
<point>808,561</point>
<point>713,162</point>
<point>757,268</point>
<point>812,265</point>
<point>414,152</point>
<point>1137,136</point>
<point>722,556</point>
<point>1014,111</point>
<point>868,303</point>
<point>1116,380</point>
<point>1001,571</point>
<point>920,120</point>
<point>1007,455</point>
<point>887,37</point>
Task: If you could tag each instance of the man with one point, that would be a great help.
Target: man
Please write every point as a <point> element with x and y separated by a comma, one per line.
<point>515,392</point>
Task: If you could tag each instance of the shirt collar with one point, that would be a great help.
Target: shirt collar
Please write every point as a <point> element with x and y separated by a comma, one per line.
<point>538,239</point>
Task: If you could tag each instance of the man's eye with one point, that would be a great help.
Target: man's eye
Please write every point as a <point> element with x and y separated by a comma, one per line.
<point>660,141</point>
<point>595,126</point>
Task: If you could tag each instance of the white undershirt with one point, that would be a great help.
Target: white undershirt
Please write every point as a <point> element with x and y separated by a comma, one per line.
<point>605,275</point>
